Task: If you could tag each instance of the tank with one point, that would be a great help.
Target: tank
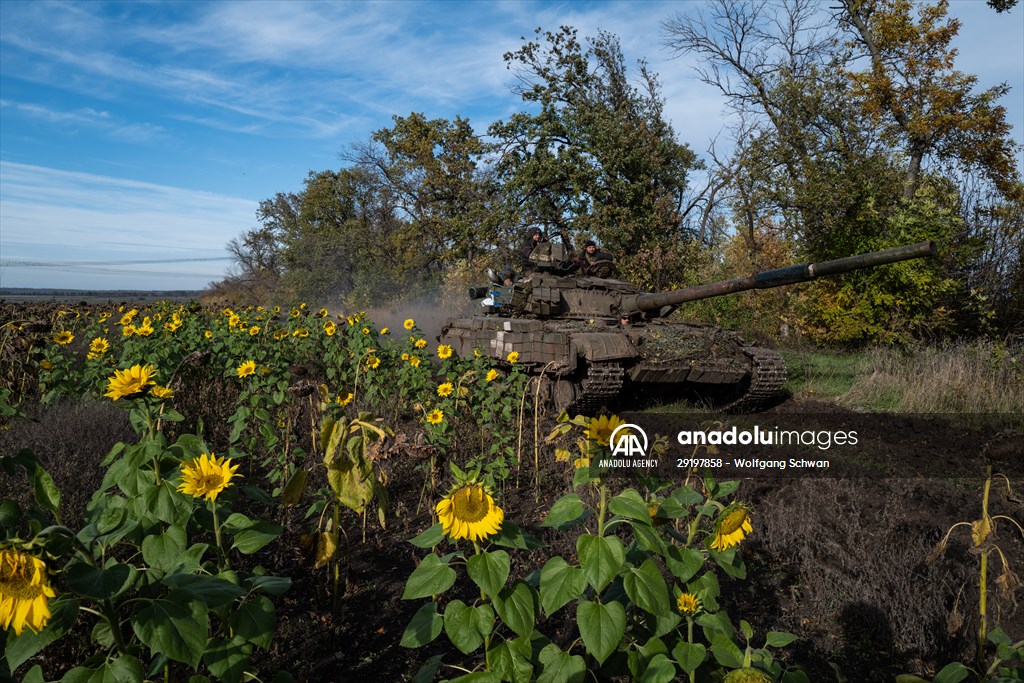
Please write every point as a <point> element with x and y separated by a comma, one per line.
<point>594,338</point>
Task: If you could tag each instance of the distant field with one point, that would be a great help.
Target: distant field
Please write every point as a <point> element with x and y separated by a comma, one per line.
<point>28,295</point>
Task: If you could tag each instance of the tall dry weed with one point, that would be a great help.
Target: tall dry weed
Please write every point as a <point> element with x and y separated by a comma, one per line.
<point>979,377</point>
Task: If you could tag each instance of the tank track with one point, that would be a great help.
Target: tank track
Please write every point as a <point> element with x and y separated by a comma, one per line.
<point>602,383</point>
<point>767,375</point>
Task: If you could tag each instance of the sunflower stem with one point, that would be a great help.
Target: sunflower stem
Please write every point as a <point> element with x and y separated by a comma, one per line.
<point>602,510</point>
<point>689,639</point>
<point>983,583</point>
<point>224,563</point>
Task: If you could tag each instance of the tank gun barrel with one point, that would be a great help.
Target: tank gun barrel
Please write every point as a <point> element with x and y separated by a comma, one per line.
<point>782,276</point>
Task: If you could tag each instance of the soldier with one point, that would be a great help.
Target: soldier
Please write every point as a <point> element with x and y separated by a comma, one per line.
<point>533,237</point>
<point>593,261</point>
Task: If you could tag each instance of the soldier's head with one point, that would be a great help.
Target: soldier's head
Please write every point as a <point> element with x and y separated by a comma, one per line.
<point>535,234</point>
<point>590,246</point>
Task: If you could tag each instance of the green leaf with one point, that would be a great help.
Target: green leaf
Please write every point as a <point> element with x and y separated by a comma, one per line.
<point>164,550</point>
<point>726,488</point>
<point>952,673</point>
<point>726,652</point>
<point>19,649</point>
<point>271,585</point>
<point>97,583</point>
<point>516,605</point>
<point>425,626</point>
<point>460,623</point>
<point>46,492</point>
<point>560,583</point>
<point>560,667</point>
<point>511,536</point>
<point>429,538</point>
<point>794,676</point>
<point>659,670</point>
<point>210,590</point>
<point>428,671</point>
<point>167,503</point>
<point>508,662</point>
<point>166,627</point>
<point>566,511</point>
<point>601,627</point>
<point>489,570</point>
<point>432,577</point>
<point>601,558</point>
<point>689,655</point>
<point>684,563</point>
<point>255,537</point>
<point>779,639</point>
<point>646,588</point>
<point>228,659</point>
<point>630,505</point>
<point>293,490</point>
<point>10,513</point>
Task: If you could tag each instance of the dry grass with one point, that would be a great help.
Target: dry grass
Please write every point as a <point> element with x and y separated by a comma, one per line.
<point>980,377</point>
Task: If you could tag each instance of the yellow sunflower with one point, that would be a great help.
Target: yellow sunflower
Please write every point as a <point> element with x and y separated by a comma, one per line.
<point>513,357</point>
<point>445,389</point>
<point>688,603</point>
<point>444,351</point>
<point>372,362</point>
<point>470,512</point>
<point>366,330</point>
<point>45,364</point>
<point>322,313</point>
<point>420,343</point>
<point>385,330</point>
<point>128,382</point>
<point>732,525</point>
<point>435,417</point>
<point>163,392</point>
<point>600,428</point>
<point>206,476</point>
<point>492,375</point>
<point>99,346</point>
<point>146,328</point>
<point>254,330</point>
<point>208,334</point>
<point>409,324</point>
<point>301,332</point>
<point>63,337</point>
<point>344,400</point>
<point>247,368</point>
<point>330,328</point>
<point>128,330</point>
<point>24,589</point>
<point>414,361</point>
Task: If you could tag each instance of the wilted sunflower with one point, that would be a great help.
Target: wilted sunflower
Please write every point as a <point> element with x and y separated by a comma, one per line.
<point>63,337</point>
<point>247,368</point>
<point>444,351</point>
<point>732,525</point>
<point>688,603</point>
<point>435,417</point>
<point>492,375</point>
<point>163,392</point>
<point>24,589</point>
<point>469,512</point>
<point>45,364</point>
<point>372,362</point>
<point>134,380</point>
<point>600,428</point>
<point>445,389</point>
<point>301,332</point>
<point>206,476</point>
<point>409,324</point>
<point>513,357</point>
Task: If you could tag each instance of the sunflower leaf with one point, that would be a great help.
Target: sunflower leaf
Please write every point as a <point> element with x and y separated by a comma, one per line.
<point>425,626</point>
<point>646,588</point>
<point>601,627</point>
<point>559,666</point>
<point>431,577</point>
<point>429,538</point>
<point>560,583</point>
<point>630,505</point>
<point>566,511</point>
<point>689,655</point>
<point>601,558</point>
<point>517,607</point>
<point>461,626</point>
<point>489,570</point>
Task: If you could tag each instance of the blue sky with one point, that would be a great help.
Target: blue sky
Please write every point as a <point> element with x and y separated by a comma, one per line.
<point>139,132</point>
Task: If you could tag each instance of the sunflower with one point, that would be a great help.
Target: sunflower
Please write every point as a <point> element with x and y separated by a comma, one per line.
<point>24,589</point>
<point>63,337</point>
<point>301,332</point>
<point>206,476</point>
<point>445,389</point>
<point>747,675</point>
<point>247,368</point>
<point>444,351</point>
<point>405,356</point>
<point>163,392</point>
<point>492,375</point>
<point>366,330</point>
<point>414,361</point>
<point>134,380</point>
<point>322,313</point>
<point>146,328</point>
<point>385,330</point>
<point>469,512</point>
<point>346,399</point>
<point>46,365</point>
<point>513,357</point>
<point>254,330</point>
<point>330,328</point>
<point>732,525</point>
<point>435,417</point>
<point>128,330</point>
<point>208,334</point>
<point>409,324</point>
<point>600,428</point>
<point>420,343</point>
<point>372,362</point>
<point>99,345</point>
<point>688,603</point>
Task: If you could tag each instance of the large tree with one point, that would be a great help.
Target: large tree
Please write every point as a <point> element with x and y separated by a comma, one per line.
<point>593,153</point>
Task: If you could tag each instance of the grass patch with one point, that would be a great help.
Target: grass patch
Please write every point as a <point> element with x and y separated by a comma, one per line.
<point>822,374</point>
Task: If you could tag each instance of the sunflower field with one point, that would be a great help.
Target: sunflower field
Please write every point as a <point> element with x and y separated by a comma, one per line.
<point>282,493</point>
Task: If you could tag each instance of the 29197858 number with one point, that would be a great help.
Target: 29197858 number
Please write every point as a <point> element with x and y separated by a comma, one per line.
<point>698,462</point>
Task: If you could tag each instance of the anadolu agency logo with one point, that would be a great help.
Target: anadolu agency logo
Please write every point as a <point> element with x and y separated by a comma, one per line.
<point>629,447</point>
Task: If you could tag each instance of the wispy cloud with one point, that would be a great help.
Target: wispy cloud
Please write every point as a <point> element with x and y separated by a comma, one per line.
<point>89,118</point>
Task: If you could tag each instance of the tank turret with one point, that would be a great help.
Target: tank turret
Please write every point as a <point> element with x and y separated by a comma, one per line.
<point>593,337</point>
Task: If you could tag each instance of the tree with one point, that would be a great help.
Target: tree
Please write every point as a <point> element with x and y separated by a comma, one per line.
<point>920,103</point>
<point>594,156</point>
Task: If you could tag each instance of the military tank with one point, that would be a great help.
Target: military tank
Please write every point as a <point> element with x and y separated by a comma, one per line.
<point>593,338</point>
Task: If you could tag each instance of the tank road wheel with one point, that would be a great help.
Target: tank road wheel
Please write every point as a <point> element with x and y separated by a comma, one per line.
<point>601,383</point>
<point>767,375</point>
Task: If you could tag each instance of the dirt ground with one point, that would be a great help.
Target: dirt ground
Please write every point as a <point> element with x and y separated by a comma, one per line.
<point>839,560</point>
